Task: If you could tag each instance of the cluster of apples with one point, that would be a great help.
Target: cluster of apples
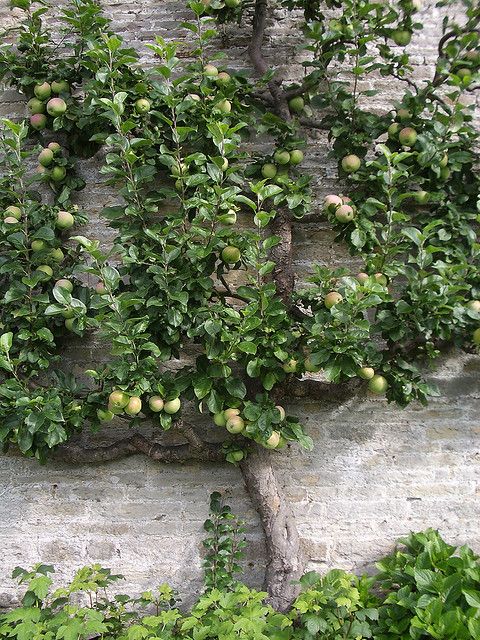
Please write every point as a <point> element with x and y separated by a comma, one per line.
<point>471,58</point>
<point>121,402</point>
<point>235,424</point>
<point>341,206</point>
<point>67,313</point>
<point>46,162</point>
<point>44,102</point>
<point>282,158</point>
<point>407,136</point>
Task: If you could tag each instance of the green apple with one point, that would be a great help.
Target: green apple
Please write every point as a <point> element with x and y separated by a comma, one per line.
<point>57,255</point>
<point>118,399</point>
<point>229,413</point>
<point>228,218</point>
<point>224,106</point>
<point>407,136</point>
<point>45,157</point>
<point>156,404</point>
<point>46,269</point>
<point>393,130</point>
<point>273,441</point>
<point>36,106</point>
<point>142,105</point>
<point>362,277</point>
<point>60,86</point>
<point>381,278</point>
<point>269,170</point>
<point>235,425</point>
<point>38,121</point>
<point>42,91</point>
<point>464,73</point>
<point>223,79</point>
<point>366,373</point>
<point>134,406</point>
<point>64,284</point>
<point>210,71</point>
<point>296,156</point>
<point>404,114</point>
<point>172,406</point>
<point>290,366</point>
<point>56,107</point>
<point>58,174</point>
<point>401,37</point>
<point>105,416</point>
<point>37,245</point>
<point>54,147</point>
<point>232,4</point>
<point>474,305</point>
<point>100,288</point>
<point>444,161</point>
<point>69,322</point>
<point>351,163</point>
<point>422,197</point>
<point>377,384</point>
<point>231,255</point>
<point>332,298</point>
<point>237,455</point>
<point>445,173</point>
<point>332,202</point>
<point>65,220</point>
<point>296,105</point>
<point>281,156</point>
<point>219,419</point>
<point>68,313</point>
<point>14,211</point>
<point>344,213</point>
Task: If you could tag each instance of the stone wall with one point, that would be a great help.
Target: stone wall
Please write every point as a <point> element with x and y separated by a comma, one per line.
<point>376,472</point>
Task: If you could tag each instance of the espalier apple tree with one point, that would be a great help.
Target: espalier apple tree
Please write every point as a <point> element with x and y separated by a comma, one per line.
<point>200,272</point>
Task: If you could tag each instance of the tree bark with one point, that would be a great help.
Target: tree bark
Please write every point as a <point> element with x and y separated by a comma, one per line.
<point>196,450</point>
<point>285,557</point>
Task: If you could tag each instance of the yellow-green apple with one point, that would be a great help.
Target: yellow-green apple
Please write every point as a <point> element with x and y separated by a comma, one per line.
<point>351,163</point>
<point>172,406</point>
<point>377,384</point>
<point>331,299</point>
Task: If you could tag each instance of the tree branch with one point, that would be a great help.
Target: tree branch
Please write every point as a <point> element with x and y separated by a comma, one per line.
<point>256,56</point>
<point>285,557</point>
<point>283,275</point>
<point>137,443</point>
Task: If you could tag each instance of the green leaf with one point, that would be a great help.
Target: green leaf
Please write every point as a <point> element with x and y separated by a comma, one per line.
<point>248,347</point>
<point>6,340</point>
<point>235,387</point>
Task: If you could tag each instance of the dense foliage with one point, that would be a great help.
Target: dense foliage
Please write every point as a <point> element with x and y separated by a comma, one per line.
<point>192,274</point>
<point>425,589</point>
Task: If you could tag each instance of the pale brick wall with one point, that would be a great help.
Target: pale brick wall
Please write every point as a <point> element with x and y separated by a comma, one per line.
<point>375,473</point>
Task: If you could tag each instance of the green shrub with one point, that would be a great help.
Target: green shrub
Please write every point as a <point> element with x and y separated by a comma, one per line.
<point>425,589</point>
